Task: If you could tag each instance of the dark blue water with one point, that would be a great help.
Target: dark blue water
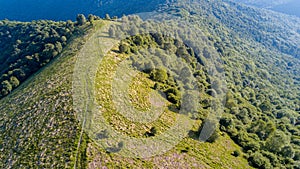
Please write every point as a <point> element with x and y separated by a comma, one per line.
<point>27,10</point>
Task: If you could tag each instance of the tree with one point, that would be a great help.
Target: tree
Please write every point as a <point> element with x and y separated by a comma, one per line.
<point>6,87</point>
<point>138,40</point>
<point>107,17</point>
<point>19,74</point>
<point>58,47</point>
<point>277,141</point>
<point>70,25</point>
<point>81,20</point>
<point>123,48</point>
<point>115,18</point>
<point>152,132</point>
<point>209,130</point>
<point>259,161</point>
<point>91,18</point>
<point>265,106</point>
<point>14,82</point>
<point>173,95</point>
<point>206,52</point>
<point>63,39</point>
<point>158,38</point>
<point>133,30</point>
<point>287,151</point>
<point>159,75</point>
<point>48,52</point>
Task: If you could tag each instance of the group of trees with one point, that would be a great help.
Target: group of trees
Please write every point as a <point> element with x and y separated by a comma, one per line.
<point>261,110</point>
<point>29,46</point>
<point>156,62</point>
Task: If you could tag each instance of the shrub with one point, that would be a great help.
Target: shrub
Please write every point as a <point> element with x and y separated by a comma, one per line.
<point>159,75</point>
<point>81,20</point>
<point>138,40</point>
<point>259,161</point>
<point>14,82</point>
<point>173,95</point>
<point>6,87</point>
<point>236,153</point>
<point>123,48</point>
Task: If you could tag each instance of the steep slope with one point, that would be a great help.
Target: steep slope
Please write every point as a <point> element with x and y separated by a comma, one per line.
<point>254,68</point>
<point>39,126</point>
<point>38,123</point>
<point>260,51</point>
<point>189,152</point>
<point>27,47</point>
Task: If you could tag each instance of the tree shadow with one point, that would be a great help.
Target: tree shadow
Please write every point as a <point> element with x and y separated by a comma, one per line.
<point>116,148</point>
<point>102,135</point>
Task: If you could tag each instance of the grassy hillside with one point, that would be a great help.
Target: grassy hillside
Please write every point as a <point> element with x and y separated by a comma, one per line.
<point>190,152</point>
<point>74,111</point>
<point>38,123</point>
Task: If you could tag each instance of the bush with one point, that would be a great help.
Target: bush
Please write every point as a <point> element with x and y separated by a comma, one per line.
<point>236,153</point>
<point>159,75</point>
<point>259,161</point>
<point>123,48</point>
<point>81,20</point>
<point>173,95</point>
<point>14,82</point>
<point>6,87</point>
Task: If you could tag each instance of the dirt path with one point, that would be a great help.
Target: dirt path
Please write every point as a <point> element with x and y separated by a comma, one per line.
<point>85,70</point>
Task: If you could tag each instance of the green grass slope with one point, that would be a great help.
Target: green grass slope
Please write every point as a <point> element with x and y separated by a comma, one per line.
<point>39,127</point>
<point>189,153</point>
<point>38,124</point>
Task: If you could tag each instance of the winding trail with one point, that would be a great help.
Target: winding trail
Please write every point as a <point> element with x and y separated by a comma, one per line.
<point>84,73</point>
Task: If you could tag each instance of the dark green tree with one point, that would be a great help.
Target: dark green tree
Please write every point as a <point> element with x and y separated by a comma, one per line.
<point>91,18</point>
<point>124,48</point>
<point>14,82</point>
<point>6,88</point>
<point>81,20</point>
<point>107,17</point>
<point>159,75</point>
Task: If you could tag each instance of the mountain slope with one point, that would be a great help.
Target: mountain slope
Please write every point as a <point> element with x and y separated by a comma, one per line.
<point>40,126</point>
<point>38,123</point>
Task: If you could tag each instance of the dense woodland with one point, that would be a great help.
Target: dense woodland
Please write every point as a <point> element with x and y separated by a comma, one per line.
<point>29,46</point>
<point>262,109</point>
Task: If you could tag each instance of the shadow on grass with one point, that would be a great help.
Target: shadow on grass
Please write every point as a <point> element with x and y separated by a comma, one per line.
<point>116,148</point>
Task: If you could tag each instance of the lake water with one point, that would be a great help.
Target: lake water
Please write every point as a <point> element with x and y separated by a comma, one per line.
<point>27,10</point>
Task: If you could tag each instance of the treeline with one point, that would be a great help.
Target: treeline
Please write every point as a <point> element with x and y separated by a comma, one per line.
<point>28,46</point>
